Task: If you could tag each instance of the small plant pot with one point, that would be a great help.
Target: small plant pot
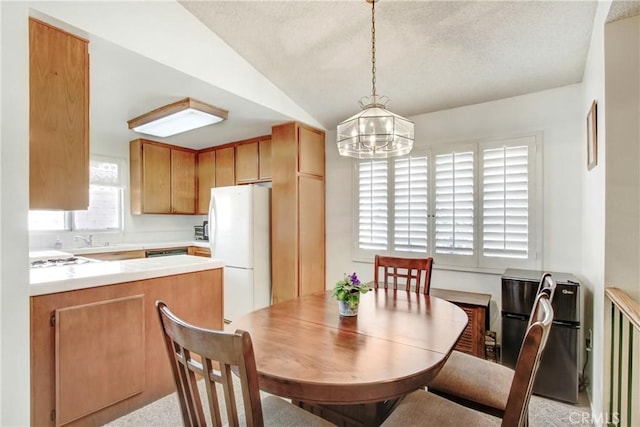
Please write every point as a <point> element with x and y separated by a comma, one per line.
<point>345,310</point>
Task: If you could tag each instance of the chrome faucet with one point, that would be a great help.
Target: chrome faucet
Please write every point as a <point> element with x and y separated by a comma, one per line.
<point>88,242</point>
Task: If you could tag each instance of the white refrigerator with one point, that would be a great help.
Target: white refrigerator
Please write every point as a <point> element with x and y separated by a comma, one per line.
<point>239,234</point>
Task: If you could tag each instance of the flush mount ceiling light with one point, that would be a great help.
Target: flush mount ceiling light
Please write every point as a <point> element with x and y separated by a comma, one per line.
<point>375,132</point>
<point>181,116</point>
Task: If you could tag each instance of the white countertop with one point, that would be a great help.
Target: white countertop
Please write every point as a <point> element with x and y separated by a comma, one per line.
<point>70,277</point>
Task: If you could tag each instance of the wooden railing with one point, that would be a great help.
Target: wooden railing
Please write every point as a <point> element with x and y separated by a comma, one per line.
<point>624,358</point>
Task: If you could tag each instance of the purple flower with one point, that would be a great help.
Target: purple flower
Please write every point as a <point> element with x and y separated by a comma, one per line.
<point>354,279</point>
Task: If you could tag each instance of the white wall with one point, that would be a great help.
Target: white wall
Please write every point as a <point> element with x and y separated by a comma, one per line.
<point>622,89</point>
<point>14,275</point>
<point>593,208</point>
<point>556,113</point>
<point>622,176</point>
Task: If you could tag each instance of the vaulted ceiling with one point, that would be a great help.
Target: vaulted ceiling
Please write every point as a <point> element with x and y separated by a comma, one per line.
<point>431,55</point>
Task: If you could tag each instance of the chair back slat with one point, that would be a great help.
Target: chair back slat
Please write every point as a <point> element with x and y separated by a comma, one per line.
<point>212,395</point>
<point>195,351</point>
<point>524,376</point>
<point>410,270</point>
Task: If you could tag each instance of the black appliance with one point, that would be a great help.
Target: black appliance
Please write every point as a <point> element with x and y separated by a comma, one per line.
<point>557,376</point>
<point>153,253</point>
<point>202,231</point>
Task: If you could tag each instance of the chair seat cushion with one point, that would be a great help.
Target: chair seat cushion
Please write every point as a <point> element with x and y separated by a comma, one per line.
<point>473,379</point>
<point>422,408</point>
<point>278,412</point>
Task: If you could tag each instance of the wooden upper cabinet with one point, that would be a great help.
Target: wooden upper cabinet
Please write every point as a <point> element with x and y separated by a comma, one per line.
<point>225,167</point>
<point>156,178</point>
<point>247,162</point>
<point>206,179</point>
<point>311,151</point>
<point>253,160</point>
<point>183,181</point>
<point>58,119</point>
<point>163,178</point>
<point>265,159</point>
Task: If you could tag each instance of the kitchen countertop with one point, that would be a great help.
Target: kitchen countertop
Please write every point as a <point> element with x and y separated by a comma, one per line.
<point>120,247</point>
<point>71,277</point>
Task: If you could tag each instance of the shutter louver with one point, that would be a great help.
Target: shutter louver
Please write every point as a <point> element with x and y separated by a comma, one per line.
<point>410,205</point>
<point>373,215</point>
<point>105,198</point>
<point>505,220</point>
<point>104,173</point>
<point>454,203</point>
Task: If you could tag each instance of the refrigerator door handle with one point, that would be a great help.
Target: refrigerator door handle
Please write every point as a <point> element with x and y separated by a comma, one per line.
<point>515,316</point>
<point>213,221</point>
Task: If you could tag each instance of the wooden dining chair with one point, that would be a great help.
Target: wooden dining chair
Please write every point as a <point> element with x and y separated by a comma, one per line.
<point>216,353</point>
<point>478,383</point>
<point>414,273</point>
<point>422,408</point>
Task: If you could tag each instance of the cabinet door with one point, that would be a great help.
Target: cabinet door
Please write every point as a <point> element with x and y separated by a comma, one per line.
<point>100,357</point>
<point>114,256</point>
<point>58,119</point>
<point>225,167</point>
<point>265,159</point>
<point>472,339</point>
<point>206,180</point>
<point>198,251</point>
<point>311,244</point>
<point>311,149</point>
<point>156,179</point>
<point>183,182</point>
<point>247,162</point>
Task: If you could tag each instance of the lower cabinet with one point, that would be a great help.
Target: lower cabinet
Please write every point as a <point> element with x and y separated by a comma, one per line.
<point>99,353</point>
<point>199,251</point>
<point>115,256</point>
<point>476,306</point>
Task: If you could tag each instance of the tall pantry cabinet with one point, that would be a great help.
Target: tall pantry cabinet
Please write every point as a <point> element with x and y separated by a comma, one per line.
<point>298,211</point>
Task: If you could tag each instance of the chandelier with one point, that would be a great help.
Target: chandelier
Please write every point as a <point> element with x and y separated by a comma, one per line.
<point>375,132</point>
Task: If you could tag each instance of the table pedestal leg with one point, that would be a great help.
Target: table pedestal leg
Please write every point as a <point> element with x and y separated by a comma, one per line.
<point>360,415</point>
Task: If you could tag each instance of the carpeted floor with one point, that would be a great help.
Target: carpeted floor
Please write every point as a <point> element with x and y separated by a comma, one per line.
<point>542,413</point>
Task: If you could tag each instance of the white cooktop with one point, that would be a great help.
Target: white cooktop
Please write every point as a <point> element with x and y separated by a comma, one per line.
<point>48,254</point>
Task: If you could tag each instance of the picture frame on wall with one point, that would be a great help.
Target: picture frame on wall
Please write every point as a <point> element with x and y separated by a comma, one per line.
<point>592,136</point>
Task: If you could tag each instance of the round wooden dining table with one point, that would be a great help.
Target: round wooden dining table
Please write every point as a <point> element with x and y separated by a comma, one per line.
<point>352,368</point>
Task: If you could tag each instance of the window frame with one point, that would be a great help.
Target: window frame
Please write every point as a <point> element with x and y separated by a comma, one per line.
<point>476,262</point>
<point>69,219</point>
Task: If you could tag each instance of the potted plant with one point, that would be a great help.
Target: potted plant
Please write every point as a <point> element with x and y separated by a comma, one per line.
<point>347,291</point>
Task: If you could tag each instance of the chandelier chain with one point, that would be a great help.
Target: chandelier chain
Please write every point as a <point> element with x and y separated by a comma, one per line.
<point>373,49</point>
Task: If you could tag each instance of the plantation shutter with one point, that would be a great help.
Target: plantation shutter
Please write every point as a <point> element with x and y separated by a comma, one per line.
<point>454,203</point>
<point>372,202</point>
<point>505,219</point>
<point>105,198</point>
<point>410,205</point>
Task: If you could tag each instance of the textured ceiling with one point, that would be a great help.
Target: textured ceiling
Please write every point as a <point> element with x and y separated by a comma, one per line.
<point>431,55</point>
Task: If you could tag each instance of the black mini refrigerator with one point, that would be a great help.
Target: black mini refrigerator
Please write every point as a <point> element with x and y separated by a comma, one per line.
<point>558,372</point>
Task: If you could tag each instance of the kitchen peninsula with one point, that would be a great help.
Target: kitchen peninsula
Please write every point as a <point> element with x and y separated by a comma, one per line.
<point>96,347</point>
